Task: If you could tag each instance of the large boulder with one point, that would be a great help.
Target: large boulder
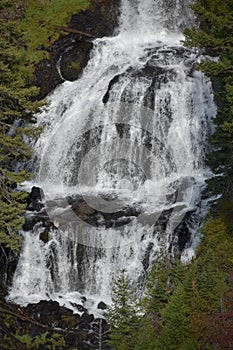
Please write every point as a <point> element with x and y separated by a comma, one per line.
<point>34,199</point>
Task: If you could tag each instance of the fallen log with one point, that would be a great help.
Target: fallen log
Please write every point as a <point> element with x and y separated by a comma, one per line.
<point>71,30</point>
<point>26,318</point>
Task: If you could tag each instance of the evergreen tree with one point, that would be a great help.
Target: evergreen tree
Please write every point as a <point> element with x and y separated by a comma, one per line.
<point>122,315</point>
<point>146,336</point>
<point>175,332</point>
<point>215,37</point>
<point>158,285</point>
<point>16,113</point>
<point>165,275</point>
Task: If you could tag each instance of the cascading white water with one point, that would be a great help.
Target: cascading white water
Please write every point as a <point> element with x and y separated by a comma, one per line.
<point>132,132</point>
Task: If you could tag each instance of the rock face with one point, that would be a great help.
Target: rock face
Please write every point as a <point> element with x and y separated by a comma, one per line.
<point>73,208</point>
<point>40,212</point>
<point>34,199</point>
<point>56,326</point>
<point>69,55</point>
<point>8,264</point>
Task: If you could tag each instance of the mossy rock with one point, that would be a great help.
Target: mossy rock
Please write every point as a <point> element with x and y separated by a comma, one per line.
<point>70,322</point>
<point>74,61</point>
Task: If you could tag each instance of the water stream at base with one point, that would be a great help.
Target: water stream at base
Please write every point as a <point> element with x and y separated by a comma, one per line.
<point>132,132</point>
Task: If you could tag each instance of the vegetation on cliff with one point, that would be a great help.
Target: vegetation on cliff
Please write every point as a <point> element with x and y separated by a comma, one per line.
<point>21,33</point>
<point>17,111</point>
<point>38,27</point>
<point>215,37</point>
<point>24,26</point>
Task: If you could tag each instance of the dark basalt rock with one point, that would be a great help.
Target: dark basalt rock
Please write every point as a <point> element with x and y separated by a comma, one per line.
<point>69,55</point>
<point>50,313</point>
<point>74,60</point>
<point>85,320</point>
<point>82,209</point>
<point>37,214</point>
<point>44,236</point>
<point>99,20</point>
<point>79,307</point>
<point>36,193</point>
<point>34,199</point>
<point>110,85</point>
<point>34,218</point>
<point>156,71</point>
<point>100,218</point>
<point>50,318</point>
<point>46,77</point>
<point>46,310</point>
<point>183,232</point>
<point>29,222</point>
<point>146,259</point>
<point>102,306</point>
<point>8,264</point>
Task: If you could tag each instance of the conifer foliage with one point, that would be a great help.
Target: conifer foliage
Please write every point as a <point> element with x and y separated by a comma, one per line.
<point>122,315</point>
<point>16,112</point>
<point>215,37</point>
<point>186,306</point>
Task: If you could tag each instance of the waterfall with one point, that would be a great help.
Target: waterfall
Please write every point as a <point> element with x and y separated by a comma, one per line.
<point>127,143</point>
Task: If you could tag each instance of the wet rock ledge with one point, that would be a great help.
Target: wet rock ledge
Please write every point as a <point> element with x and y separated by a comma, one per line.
<point>69,55</point>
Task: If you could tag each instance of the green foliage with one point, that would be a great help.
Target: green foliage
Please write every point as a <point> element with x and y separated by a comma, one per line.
<point>158,283</point>
<point>17,111</point>
<point>165,275</point>
<point>73,65</point>
<point>17,334</point>
<point>186,307</point>
<point>211,285</point>
<point>53,342</point>
<point>122,315</point>
<point>175,332</point>
<point>215,37</point>
<point>23,27</point>
<point>38,26</point>
<point>45,340</point>
<point>146,336</point>
<point>217,244</point>
<point>166,306</point>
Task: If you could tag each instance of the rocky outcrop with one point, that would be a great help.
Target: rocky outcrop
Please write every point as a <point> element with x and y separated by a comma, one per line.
<point>72,208</point>
<point>8,263</point>
<point>157,70</point>
<point>69,55</point>
<point>52,325</point>
<point>99,20</point>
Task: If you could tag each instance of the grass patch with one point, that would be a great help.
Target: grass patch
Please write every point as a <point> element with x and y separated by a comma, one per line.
<point>37,26</point>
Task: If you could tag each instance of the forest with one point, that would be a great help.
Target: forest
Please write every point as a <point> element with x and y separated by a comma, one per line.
<point>186,306</point>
